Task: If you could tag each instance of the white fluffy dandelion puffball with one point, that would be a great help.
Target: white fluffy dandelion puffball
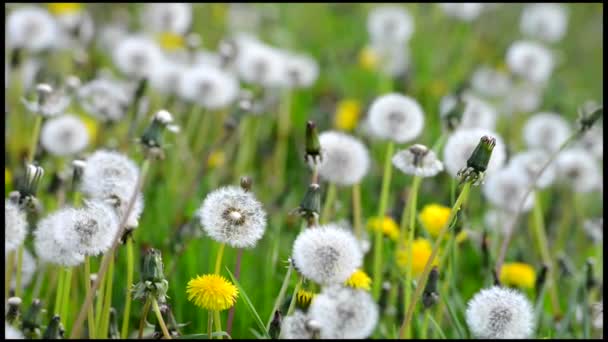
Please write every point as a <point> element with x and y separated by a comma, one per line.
<point>461,144</point>
<point>505,189</point>
<point>530,60</point>
<point>136,56</point>
<point>477,113</point>
<point>418,160</point>
<point>93,228</point>
<point>260,64</point>
<point>301,71</point>
<point>208,86</point>
<point>462,11</point>
<point>233,216</point>
<point>390,24</point>
<point>578,167</point>
<point>11,333</point>
<point>345,159</point>
<point>31,28</point>
<point>15,226</point>
<point>64,135</point>
<point>50,239</point>
<point>327,254</point>
<point>296,326</point>
<point>531,162</point>
<point>105,99</point>
<point>546,131</point>
<point>547,22</point>
<point>167,17</point>
<point>500,313</point>
<point>167,75</point>
<point>28,267</point>
<point>397,117</point>
<point>490,82</point>
<point>344,312</point>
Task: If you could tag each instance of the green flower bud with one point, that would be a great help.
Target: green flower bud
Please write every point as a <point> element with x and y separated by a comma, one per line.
<point>152,266</point>
<point>430,295</point>
<point>313,146</point>
<point>540,279</point>
<point>478,161</point>
<point>31,320</point>
<point>275,325</point>
<point>311,204</point>
<point>54,331</point>
<point>113,328</point>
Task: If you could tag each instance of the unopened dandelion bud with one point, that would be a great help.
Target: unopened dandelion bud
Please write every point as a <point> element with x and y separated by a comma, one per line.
<point>541,279</point>
<point>54,331</point>
<point>564,266</point>
<point>275,326</point>
<point>33,174</point>
<point>152,138</point>
<point>430,295</point>
<point>78,169</point>
<point>311,204</point>
<point>590,281</point>
<point>313,146</point>
<point>587,120</point>
<point>153,282</point>
<point>44,91</point>
<point>152,267</point>
<point>113,328</point>
<point>478,161</point>
<point>246,183</point>
<point>31,320</point>
<point>304,298</point>
<point>141,88</point>
<point>13,312</point>
<point>453,117</point>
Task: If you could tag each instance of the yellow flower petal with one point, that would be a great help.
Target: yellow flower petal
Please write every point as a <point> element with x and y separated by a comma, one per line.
<point>388,226</point>
<point>421,252</point>
<point>347,114</point>
<point>368,59</point>
<point>212,292</point>
<point>518,274</point>
<point>170,41</point>
<point>216,159</point>
<point>8,177</point>
<point>359,280</point>
<point>64,8</point>
<point>434,217</point>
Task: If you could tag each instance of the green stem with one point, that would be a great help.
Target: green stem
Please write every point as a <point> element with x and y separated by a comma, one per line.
<point>8,272</point>
<point>210,324</point>
<point>386,180</point>
<point>357,209</point>
<point>34,142</point>
<point>439,143</point>
<point>425,325</point>
<point>144,314</point>
<point>160,319</point>
<point>65,301</point>
<point>105,314</point>
<point>99,304</point>
<point>87,286</point>
<point>421,282</point>
<point>59,293</point>
<point>18,288</point>
<point>284,117</point>
<point>125,320</point>
<point>279,299</point>
<point>218,258</point>
<point>329,201</point>
<point>410,240</point>
<point>218,322</point>
<point>292,304</point>
<point>541,236</point>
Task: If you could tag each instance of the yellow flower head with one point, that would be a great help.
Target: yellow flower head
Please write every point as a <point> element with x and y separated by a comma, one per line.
<point>518,274</point>
<point>59,9</point>
<point>421,252</point>
<point>388,226</point>
<point>216,159</point>
<point>304,298</point>
<point>212,292</point>
<point>359,280</point>
<point>170,41</point>
<point>434,217</point>
<point>347,114</point>
<point>8,177</point>
<point>91,126</point>
<point>368,59</point>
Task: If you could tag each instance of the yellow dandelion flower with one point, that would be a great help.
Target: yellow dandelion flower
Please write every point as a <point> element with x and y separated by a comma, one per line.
<point>216,159</point>
<point>212,292</point>
<point>462,236</point>
<point>304,298</point>
<point>64,8</point>
<point>347,114</point>
<point>91,126</point>
<point>421,252</point>
<point>170,41</point>
<point>388,226</point>
<point>518,274</point>
<point>434,217</point>
<point>359,280</point>
<point>8,177</point>
<point>368,59</point>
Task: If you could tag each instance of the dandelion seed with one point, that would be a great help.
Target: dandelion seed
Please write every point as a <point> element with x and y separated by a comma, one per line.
<point>518,274</point>
<point>505,189</point>
<point>344,158</point>
<point>212,292</point>
<point>461,144</point>
<point>50,239</point>
<point>500,313</point>
<point>421,252</point>
<point>343,312</point>
<point>233,216</point>
<point>530,60</point>
<point>326,254</point>
<point>546,130</point>
<point>580,169</point>
<point>547,22</point>
<point>208,86</point>
<point>359,280</point>
<point>15,226</point>
<point>65,135</point>
<point>418,160</point>
<point>434,217</point>
<point>390,23</point>
<point>31,28</point>
<point>397,117</point>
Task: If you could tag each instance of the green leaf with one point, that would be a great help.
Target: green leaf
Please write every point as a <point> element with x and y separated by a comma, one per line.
<point>205,336</point>
<point>455,319</point>
<point>437,328</point>
<point>250,306</point>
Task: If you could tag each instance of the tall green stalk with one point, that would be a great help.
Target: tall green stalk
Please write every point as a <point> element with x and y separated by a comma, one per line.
<point>87,286</point>
<point>386,180</point>
<point>357,210</point>
<point>410,240</point>
<point>329,201</point>
<point>65,300</point>
<point>130,259</point>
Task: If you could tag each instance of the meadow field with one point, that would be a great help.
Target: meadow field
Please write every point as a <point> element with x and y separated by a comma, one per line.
<point>310,171</point>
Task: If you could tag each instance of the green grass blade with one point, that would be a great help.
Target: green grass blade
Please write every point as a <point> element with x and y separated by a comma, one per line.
<point>250,306</point>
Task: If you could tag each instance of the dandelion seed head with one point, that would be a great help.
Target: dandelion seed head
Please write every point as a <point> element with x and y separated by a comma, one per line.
<point>105,99</point>
<point>595,229</point>
<point>15,226</point>
<point>301,71</point>
<point>259,64</point>
<point>49,239</point>
<point>418,160</point>
<point>505,189</point>
<point>578,167</point>
<point>390,23</point>
<point>477,112</point>
<point>136,56</point>
<point>28,268</point>
<point>167,75</point>
<point>530,60</point>
<point>295,326</point>
<point>212,292</point>
<point>396,117</point>
<point>547,22</point>
<point>64,135</point>
<point>327,254</point>
<point>345,159</point>
<point>92,229</point>
<point>209,86</point>
<point>531,162</point>
<point>593,141</point>
<point>546,131</point>
<point>31,28</point>
<point>461,144</point>
<point>522,98</point>
<point>167,17</point>
<point>490,82</point>
<point>500,313</point>
<point>343,312</point>
<point>233,216</point>
<point>11,333</point>
<point>51,102</point>
<point>463,11</point>
<point>597,311</point>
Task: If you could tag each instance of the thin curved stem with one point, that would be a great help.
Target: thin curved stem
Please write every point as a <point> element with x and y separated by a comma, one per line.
<point>160,319</point>
<point>127,312</point>
<point>410,240</point>
<point>144,314</point>
<point>277,301</point>
<point>218,258</point>
<point>329,201</point>
<point>357,209</point>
